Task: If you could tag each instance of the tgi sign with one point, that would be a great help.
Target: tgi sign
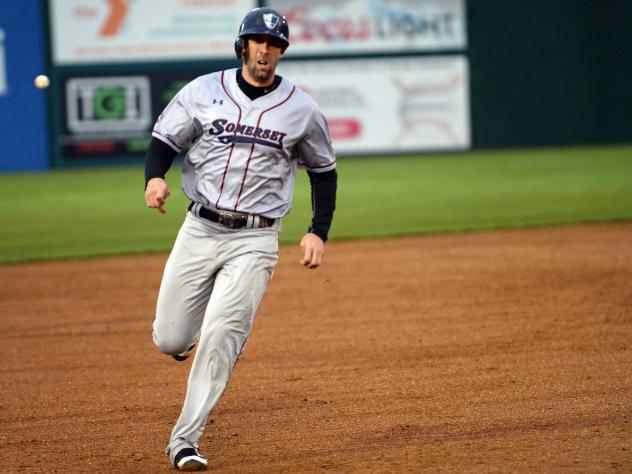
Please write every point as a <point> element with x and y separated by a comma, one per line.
<point>108,104</point>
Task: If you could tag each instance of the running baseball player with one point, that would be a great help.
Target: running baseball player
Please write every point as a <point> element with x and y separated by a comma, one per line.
<point>248,130</point>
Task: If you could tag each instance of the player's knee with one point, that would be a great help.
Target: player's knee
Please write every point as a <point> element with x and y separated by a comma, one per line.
<point>170,343</point>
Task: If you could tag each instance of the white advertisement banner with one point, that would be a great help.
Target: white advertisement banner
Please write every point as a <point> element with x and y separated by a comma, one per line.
<point>389,105</point>
<point>328,27</point>
<point>105,31</point>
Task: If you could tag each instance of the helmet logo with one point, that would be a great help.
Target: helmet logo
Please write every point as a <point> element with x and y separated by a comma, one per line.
<point>271,20</point>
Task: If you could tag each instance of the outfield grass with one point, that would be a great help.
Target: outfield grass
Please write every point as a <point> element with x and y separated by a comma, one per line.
<point>77,213</point>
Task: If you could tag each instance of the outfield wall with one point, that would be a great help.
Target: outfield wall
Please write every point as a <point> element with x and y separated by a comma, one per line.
<point>548,73</point>
<point>418,76</point>
<point>114,79</point>
<point>23,108</point>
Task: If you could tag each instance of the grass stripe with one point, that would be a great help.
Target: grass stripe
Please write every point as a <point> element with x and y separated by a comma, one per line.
<point>87,212</point>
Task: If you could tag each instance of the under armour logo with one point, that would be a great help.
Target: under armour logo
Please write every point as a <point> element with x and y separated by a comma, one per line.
<point>218,101</point>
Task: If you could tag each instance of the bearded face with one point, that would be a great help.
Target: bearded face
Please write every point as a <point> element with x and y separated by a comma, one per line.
<point>261,56</point>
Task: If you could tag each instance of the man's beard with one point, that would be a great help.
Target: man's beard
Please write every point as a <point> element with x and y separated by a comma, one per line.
<point>255,72</point>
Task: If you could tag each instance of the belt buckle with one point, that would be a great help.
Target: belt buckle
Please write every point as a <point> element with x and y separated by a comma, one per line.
<point>229,220</point>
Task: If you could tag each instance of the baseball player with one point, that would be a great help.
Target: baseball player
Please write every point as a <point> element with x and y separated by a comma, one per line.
<point>248,130</point>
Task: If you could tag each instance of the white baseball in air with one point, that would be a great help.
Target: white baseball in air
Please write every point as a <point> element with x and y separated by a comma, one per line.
<point>42,81</point>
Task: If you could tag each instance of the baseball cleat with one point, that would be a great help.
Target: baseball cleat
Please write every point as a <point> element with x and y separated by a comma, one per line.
<point>190,459</point>
<point>184,355</point>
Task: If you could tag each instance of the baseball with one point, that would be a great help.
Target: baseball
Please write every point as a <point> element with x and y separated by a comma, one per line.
<point>42,81</point>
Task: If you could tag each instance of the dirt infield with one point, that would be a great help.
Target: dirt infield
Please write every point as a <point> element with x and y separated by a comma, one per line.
<point>502,351</point>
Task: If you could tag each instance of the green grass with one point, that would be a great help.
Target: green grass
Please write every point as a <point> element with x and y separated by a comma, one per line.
<point>77,213</point>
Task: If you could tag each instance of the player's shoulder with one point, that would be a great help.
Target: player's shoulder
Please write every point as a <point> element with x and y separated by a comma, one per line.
<point>302,98</point>
<point>201,86</point>
<point>206,80</point>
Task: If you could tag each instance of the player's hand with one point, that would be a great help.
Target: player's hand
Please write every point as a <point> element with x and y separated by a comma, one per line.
<point>313,249</point>
<point>156,194</point>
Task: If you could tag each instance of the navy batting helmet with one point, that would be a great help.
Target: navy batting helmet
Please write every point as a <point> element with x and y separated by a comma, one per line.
<point>262,21</point>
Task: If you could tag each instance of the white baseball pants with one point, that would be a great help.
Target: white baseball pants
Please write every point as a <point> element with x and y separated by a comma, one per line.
<point>212,285</point>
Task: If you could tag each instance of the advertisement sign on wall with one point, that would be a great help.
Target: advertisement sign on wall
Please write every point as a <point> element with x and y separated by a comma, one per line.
<point>108,104</point>
<point>106,31</point>
<point>389,105</point>
<point>109,117</point>
<point>371,105</point>
<point>356,26</point>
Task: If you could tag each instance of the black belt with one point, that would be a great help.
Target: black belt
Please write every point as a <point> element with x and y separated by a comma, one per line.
<point>233,220</point>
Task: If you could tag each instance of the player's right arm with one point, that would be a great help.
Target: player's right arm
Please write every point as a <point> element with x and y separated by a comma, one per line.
<point>158,161</point>
<point>175,129</point>
<point>159,158</point>
<point>156,194</point>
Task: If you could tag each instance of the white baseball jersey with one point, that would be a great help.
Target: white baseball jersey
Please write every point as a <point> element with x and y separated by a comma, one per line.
<point>244,152</point>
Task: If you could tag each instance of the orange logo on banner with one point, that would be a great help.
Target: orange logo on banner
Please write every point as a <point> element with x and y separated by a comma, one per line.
<point>118,12</point>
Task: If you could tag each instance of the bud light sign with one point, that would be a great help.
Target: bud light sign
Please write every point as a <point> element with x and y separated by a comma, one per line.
<point>352,26</point>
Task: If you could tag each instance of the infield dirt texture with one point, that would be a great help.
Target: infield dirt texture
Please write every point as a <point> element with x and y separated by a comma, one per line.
<point>504,351</point>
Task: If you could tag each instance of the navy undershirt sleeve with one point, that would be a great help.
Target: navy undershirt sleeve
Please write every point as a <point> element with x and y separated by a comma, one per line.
<point>324,187</point>
<point>158,160</point>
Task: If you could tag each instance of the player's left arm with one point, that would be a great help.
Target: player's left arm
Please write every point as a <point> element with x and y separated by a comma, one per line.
<point>319,158</point>
<point>324,186</point>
